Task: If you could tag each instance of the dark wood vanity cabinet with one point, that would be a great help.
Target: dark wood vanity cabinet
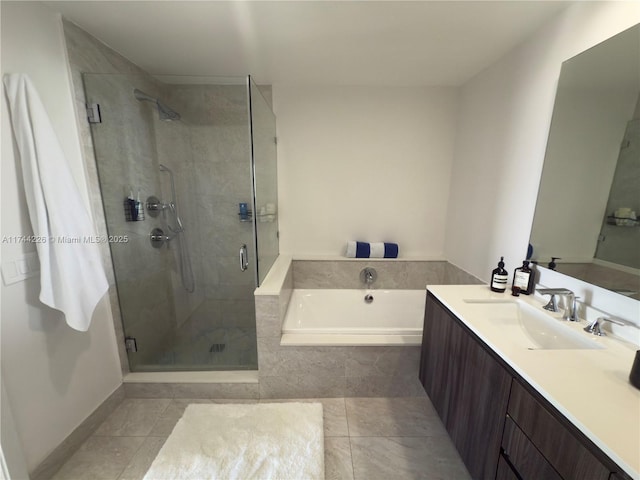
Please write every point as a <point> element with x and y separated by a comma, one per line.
<point>550,437</point>
<point>467,387</point>
<point>501,427</point>
<point>522,457</point>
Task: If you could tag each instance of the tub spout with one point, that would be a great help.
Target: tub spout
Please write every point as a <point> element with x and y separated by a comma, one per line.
<point>368,275</point>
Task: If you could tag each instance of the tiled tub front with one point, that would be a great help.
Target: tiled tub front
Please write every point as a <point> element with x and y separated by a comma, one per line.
<point>349,371</point>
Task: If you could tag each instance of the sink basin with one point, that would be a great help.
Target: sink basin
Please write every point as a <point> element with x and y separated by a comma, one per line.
<point>532,327</point>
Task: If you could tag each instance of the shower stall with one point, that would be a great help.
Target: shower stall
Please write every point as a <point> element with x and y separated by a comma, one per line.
<point>187,171</point>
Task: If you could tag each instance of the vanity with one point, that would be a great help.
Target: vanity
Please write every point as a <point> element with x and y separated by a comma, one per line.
<point>524,394</point>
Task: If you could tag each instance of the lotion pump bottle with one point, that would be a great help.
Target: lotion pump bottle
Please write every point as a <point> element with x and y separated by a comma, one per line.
<point>499,278</point>
<point>523,278</point>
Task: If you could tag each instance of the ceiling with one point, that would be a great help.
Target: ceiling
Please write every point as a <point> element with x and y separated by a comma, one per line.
<point>385,43</point>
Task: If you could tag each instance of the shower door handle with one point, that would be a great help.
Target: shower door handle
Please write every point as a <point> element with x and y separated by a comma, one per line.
<point>244,259</point>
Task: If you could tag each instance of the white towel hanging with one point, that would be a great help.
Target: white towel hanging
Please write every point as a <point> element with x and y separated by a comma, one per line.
<point>72,277</point>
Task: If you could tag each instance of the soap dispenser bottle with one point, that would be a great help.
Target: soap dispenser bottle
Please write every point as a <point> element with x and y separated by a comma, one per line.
<point>499,277</point>
<point>523,278</point>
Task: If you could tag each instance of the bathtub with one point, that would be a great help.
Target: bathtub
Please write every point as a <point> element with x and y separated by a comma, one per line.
<point>342,317</point>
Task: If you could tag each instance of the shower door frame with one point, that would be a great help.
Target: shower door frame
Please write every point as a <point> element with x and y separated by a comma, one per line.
<point>252,168</point>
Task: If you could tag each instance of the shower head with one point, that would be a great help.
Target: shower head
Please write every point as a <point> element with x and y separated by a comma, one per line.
<point>164,112</point>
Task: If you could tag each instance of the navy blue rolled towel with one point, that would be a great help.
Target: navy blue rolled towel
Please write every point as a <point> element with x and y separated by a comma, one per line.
<point>363,250</point>
<point>390,250</point>
<point>372,250</point>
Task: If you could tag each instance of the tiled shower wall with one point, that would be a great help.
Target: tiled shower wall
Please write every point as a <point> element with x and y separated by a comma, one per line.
<point>290,372</point>
<point>214,178</point>
<point>172,149</point>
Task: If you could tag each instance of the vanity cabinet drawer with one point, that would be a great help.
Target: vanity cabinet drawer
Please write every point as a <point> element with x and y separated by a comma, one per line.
<point>524,457</point>
<point>619,476</point>
<point>505,472</point>
<point>568,456</point>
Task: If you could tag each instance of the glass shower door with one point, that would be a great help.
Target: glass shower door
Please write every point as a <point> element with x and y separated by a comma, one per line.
<point>197,164</point>
<point>263,136</point>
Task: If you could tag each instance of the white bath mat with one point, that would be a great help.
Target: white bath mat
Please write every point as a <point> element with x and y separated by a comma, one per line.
<point>239,442</point>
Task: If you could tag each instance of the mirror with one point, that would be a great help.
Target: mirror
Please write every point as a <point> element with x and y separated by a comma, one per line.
<point>589,198</point>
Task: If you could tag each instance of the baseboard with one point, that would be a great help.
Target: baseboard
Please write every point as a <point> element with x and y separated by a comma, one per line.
<point>54,461</point>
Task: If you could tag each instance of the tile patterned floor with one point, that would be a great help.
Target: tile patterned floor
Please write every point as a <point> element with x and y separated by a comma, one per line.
<point>365,438</point>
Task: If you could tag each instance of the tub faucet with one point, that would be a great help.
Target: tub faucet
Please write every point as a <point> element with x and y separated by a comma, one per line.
<point>368,275</point>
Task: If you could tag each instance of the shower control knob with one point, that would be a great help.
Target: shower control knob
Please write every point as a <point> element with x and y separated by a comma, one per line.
<point>157,238</point>
<point>154,206</point>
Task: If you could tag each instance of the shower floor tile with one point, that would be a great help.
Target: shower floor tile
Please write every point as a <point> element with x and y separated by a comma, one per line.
<point>219,335</point>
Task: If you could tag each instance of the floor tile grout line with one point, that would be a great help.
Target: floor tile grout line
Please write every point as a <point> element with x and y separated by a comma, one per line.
<point>131,459</point>
<point>353,466</point>
<point>346,416</point>
<point>159,416</point>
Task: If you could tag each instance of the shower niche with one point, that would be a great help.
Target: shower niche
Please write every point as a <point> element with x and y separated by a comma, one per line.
<point>194,148</point>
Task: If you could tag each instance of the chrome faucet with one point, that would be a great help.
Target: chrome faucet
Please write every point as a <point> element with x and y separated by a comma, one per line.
<point>571,310</point>
<point>552,306</point>
<point>594,327</point>
<point>368,275</point>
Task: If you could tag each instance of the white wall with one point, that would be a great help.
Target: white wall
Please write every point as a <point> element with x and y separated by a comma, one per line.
<point>363,163</point>
<point>504,119</point>
<point>12,463</point>
<point>54,376</point>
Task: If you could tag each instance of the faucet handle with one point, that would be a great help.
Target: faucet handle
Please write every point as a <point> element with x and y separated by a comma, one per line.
<point>556,291</point>
<point>552,306</point>
<point>594,327</point>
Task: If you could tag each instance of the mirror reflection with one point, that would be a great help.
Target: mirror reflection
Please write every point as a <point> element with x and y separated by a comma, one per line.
<point>588,209</point>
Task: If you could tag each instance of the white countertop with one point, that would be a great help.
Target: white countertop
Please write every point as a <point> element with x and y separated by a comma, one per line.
<point>589,387</point>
